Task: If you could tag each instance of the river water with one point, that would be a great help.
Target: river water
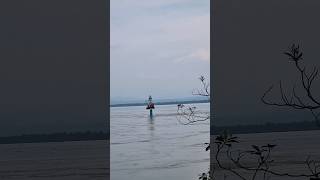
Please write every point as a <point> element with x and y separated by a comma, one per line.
<point>158,148</point>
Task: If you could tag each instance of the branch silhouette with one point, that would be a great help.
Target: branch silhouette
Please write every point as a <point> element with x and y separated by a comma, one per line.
<point>190,114</point>
<point>233,160</point>
<point>294,100</point>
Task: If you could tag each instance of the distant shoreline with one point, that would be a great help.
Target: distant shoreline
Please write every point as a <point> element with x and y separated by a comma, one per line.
<point>266,128</point>
<point>55,137</point>
<point>161,103</point>
<point>92,136</point>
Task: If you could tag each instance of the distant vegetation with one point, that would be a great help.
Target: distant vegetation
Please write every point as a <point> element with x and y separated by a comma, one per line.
<point>55,137</point>
<point>268,127</point>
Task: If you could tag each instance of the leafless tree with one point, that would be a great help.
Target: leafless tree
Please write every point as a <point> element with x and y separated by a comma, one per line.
<point>205,90</point>
<point>306,101</point>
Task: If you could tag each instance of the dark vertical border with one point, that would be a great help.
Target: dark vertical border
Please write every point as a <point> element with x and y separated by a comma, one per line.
<point>211,81</point>
<point>108,85</point>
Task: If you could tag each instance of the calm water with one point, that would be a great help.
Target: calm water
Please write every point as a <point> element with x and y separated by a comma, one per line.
<point>73,160</point>
<point>158,149</point>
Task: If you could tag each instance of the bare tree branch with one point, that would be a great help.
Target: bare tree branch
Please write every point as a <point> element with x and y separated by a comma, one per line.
<point>308,101</point>
<point>189,114</point>
<point>205,90</point>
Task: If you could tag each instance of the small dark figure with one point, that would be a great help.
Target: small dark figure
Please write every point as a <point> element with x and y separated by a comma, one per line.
<point>150,105</point>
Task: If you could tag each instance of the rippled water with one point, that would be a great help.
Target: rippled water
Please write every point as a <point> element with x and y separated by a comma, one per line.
<point>159,148</point>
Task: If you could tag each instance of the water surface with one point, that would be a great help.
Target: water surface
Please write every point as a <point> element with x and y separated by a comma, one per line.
<point>158,148</point>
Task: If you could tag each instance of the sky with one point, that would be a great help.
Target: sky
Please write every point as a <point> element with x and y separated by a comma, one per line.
<point>250,38</point>
<point>158,48</point>
<point>53,66</point>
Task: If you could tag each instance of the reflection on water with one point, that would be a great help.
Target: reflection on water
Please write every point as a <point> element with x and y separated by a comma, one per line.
<point>151,126</point>
<point>151,119</point>
<point>159,146</point>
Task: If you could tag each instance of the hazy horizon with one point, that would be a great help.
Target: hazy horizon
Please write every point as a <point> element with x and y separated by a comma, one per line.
<point>118,100</point>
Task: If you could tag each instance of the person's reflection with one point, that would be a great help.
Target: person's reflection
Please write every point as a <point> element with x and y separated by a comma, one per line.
<point>151,123</point>
<point>152,142</point>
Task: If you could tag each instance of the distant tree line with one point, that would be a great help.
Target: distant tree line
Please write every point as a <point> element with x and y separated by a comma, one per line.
<point>267,127</point>
<point>55,137</point>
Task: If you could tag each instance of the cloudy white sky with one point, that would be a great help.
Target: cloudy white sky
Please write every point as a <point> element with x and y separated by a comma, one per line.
<point>158,47</point>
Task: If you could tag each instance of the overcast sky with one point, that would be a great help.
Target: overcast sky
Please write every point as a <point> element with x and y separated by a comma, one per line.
<point>52,68</point>
<point>158,47</point>
<point>250,37</point>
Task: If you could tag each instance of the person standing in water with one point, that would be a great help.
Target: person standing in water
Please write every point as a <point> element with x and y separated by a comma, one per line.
<point>150,106</point>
